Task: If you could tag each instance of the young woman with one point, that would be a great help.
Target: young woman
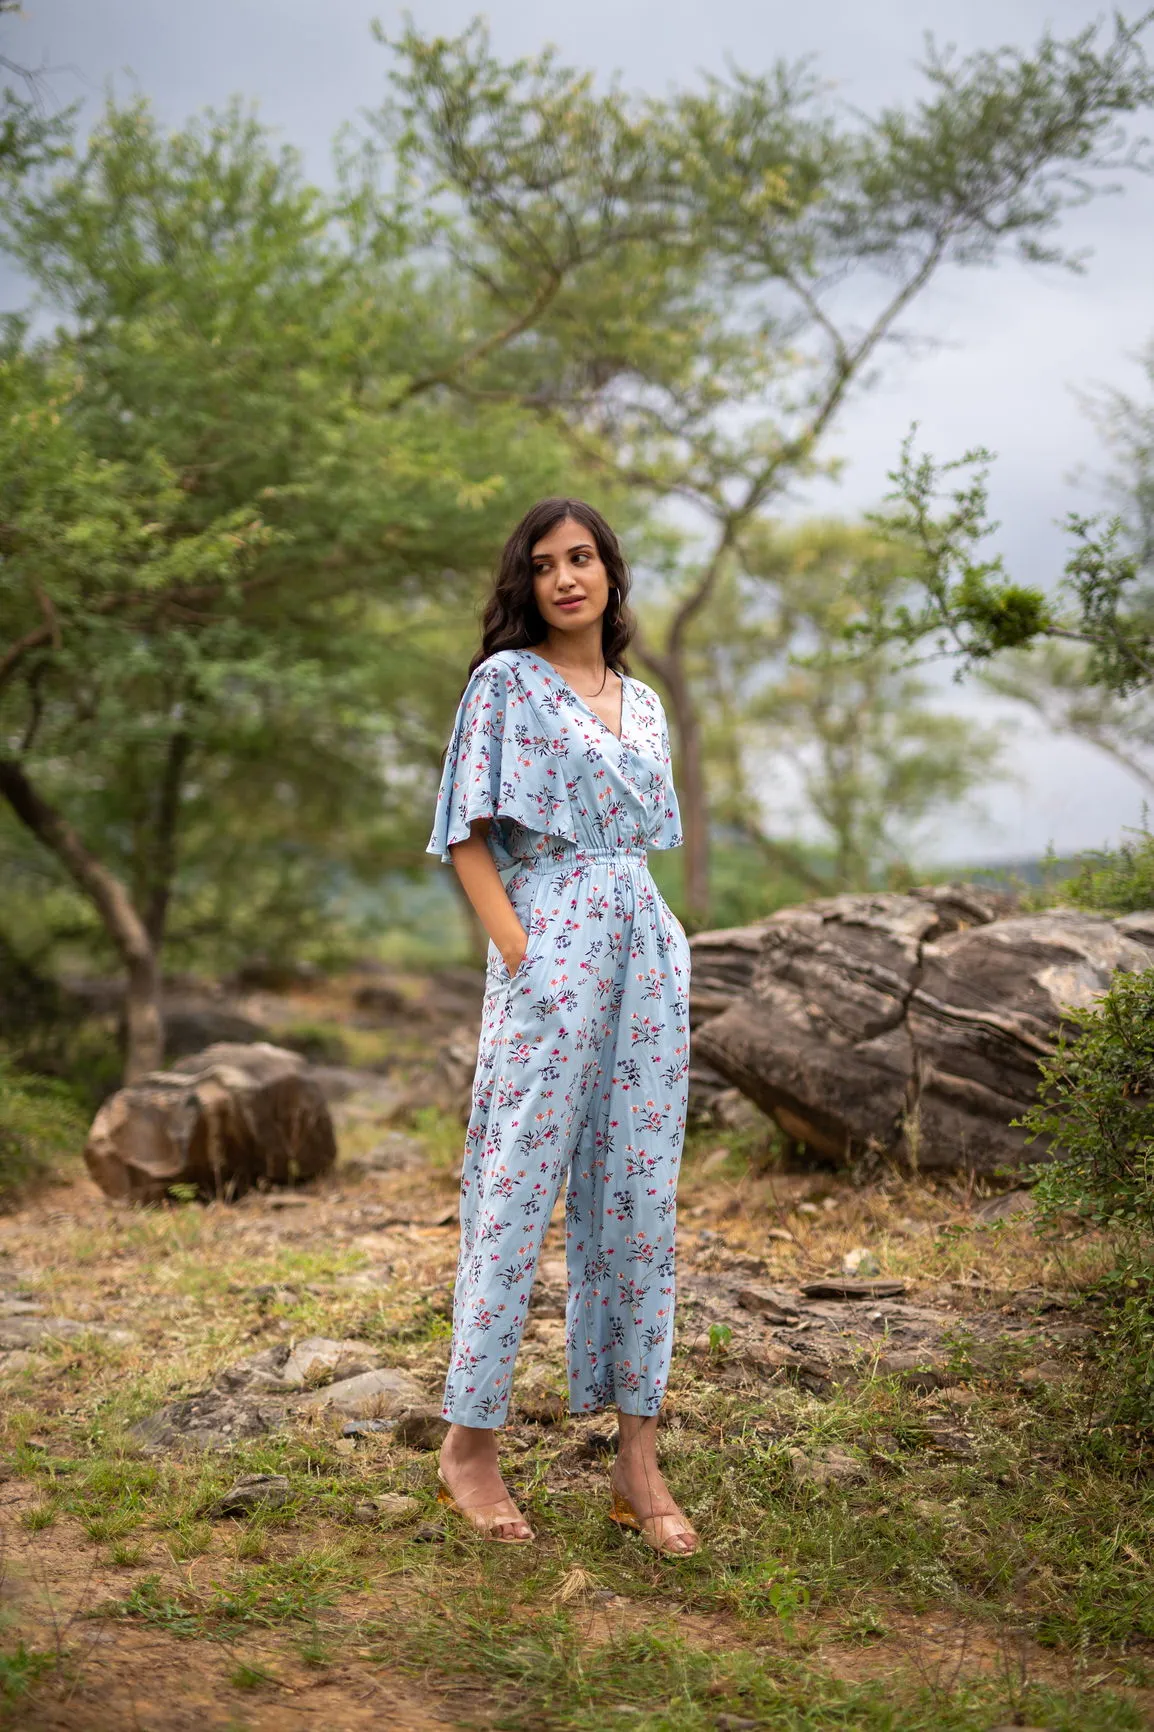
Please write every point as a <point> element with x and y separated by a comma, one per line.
<point>559,766</point>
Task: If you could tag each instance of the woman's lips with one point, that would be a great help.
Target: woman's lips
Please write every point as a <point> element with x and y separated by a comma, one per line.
<point>574,601</point>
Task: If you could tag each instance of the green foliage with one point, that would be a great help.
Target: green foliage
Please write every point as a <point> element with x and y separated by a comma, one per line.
<point>1118,882</point>
<point>1097,1110</point>
<point>875,756</point>
<point>40,1119</point>
<point>972,609</point>
<point>20,1667</point>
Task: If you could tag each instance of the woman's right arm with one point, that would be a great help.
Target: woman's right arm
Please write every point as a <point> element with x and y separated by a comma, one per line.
<point>482,884</point>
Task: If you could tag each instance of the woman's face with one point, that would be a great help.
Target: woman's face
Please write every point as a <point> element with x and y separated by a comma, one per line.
<point>570,582</point>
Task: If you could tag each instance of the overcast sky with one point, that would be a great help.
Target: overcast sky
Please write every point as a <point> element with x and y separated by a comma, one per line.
<point>1015,343</point>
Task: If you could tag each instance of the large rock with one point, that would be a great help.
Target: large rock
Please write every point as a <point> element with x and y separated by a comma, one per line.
<point>911,1025</point>
<point>220,1120</point>
<point>190,1027</point>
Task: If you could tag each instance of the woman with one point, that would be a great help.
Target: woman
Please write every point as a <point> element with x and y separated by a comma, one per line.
<point>559,766</point>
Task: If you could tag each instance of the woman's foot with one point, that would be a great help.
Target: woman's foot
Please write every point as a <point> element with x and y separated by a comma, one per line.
<point>471,1477</point>
<point>640,1491</point>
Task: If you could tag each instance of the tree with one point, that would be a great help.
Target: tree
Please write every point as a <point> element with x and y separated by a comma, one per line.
<point>1057,679</point>
<point>669,277</point>
<point>971,609</point>
<point>213,477</point>
<point>874,756</point>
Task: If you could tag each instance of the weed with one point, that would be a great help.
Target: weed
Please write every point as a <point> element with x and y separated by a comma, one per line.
<point>246,1677</point>
<point>124,1557</point>
<point>20,1667</point>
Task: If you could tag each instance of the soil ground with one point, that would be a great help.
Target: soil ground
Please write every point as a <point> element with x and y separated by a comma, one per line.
<point>915,1514</point>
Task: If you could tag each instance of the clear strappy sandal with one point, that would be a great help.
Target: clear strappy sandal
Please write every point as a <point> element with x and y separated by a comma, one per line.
<point>487,1527</point>
<point>649,1527</point>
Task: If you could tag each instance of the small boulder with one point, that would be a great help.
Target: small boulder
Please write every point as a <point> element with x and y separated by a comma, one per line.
<point>774,1307</point>
<point>315,1360</point>
<point>837,1288</point>
<point>1010,1206</point>
<point>380,1394</point>
<point>829,1467</point>
<point>219,1122</point>
<point>254,1491</point>
<point>212,1420</point>
<point>388,1508</point>
<point>422,1427</point>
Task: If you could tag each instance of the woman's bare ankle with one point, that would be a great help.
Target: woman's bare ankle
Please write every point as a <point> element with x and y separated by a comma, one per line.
<point>469,1446</point>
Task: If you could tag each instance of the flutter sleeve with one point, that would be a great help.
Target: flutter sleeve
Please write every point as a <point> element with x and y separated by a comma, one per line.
<point>666,831</point>
<point>497,766</point>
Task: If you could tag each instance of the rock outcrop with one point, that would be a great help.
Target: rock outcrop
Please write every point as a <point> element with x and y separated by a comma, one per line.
<point>909,1025</point>
<point>221,1121</point>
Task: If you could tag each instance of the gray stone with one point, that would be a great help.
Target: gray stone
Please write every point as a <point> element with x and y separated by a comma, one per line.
<point>190,1027</point>
<point>839,1287</point>
<point>211,1420</point>
<point>255,1491</point>
<point>316,1358</point>
<point>772,1306</point>
<point>907,1025</point>
<point>311,1362</point>
<point>1007,1207</point>
<point>380,1394</point>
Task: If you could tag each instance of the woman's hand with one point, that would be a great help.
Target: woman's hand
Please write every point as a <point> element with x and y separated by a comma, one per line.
<point>482,885</point>
<point>514,958</point>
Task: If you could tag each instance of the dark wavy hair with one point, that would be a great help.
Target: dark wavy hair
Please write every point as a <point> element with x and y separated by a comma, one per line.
<point>511,619</point>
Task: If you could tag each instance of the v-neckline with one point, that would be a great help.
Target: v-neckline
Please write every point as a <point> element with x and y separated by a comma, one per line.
<point>624,678</point>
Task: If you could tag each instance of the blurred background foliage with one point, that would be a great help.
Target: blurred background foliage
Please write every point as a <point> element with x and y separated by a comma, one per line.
<point>260,443</point>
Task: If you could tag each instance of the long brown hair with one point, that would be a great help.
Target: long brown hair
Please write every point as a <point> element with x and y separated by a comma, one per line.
<point>511,619</point>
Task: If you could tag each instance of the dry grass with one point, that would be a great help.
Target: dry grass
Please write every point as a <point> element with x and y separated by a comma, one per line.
<point>930,1593</point>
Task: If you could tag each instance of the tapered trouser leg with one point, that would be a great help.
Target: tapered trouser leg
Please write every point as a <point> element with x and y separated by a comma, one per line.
<point>517,1154</point>
<point>620,1221</point>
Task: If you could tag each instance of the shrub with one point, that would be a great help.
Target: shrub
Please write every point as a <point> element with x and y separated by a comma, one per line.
<point>1112,883</point>
<point>1096,1105</point>
<point>39,1119</point>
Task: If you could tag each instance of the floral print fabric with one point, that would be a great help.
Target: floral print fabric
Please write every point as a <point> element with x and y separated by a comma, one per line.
<point>583,1060</point>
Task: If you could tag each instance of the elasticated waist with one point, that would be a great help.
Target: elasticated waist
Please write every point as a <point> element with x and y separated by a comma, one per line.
<point>586,856</point>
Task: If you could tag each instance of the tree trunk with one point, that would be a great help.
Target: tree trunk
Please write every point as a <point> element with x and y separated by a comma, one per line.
<point>164,850</point>
<point>692,798</point>
<point>145,1040</point>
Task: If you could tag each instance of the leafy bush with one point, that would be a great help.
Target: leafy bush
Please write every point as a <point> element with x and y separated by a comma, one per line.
<point>1096,1105</point>
<point>39,1119</point>
<point>1121,882</point>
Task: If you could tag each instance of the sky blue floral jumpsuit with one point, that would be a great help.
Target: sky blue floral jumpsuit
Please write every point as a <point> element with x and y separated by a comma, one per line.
<point>583,1062</point>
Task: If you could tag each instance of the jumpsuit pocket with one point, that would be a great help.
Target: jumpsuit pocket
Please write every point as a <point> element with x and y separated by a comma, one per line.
<point>523,896</point>
<point>497,969</point>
